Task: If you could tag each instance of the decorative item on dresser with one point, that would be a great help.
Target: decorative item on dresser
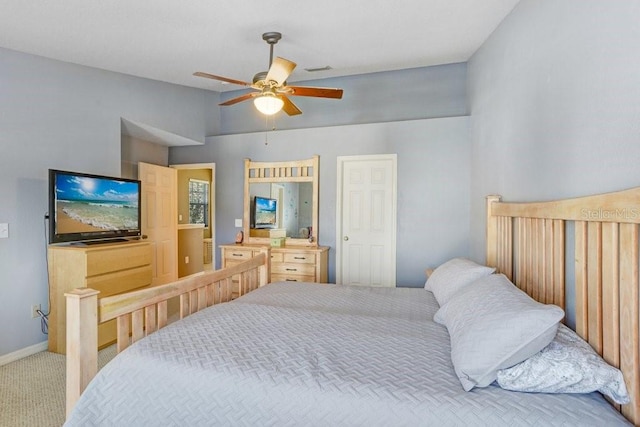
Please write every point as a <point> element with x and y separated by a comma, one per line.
<point>111,268</point>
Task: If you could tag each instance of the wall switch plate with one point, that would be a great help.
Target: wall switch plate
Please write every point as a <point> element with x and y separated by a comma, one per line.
<point>179,217</point>
<point>186,260</point>
<point>238,222</point>
<point>4,230</point>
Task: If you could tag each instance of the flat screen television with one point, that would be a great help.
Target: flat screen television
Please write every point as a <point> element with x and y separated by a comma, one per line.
<point>92,208</point>
<point>264,212</point>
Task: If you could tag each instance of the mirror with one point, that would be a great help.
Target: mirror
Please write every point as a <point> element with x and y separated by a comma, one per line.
<point>293,209</point>
<point>281,201</point>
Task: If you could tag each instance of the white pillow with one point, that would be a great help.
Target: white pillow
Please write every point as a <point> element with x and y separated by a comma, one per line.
<point>567,365</point>
<point>454,275</point>
<point>494,325</point>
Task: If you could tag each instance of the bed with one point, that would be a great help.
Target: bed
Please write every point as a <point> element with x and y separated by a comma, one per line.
<point>311,354</point>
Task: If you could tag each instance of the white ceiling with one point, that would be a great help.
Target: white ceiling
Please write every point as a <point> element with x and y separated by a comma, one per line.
<point>168,40</point>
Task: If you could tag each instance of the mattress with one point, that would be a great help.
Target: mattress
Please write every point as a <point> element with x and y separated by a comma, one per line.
<point>311,354</point>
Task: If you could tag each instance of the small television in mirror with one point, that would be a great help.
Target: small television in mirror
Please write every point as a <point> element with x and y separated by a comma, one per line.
<point>264,212</point>
<point>92,208</point>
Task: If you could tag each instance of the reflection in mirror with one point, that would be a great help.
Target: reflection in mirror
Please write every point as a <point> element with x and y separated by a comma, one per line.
<point>294,208</point>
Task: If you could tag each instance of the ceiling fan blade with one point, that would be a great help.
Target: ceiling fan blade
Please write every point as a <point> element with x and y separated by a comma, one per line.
<point>220,78</point>
<point>319,92</point>
<point>289,107</point>
<point>239,99</point>
<point>280,70</point>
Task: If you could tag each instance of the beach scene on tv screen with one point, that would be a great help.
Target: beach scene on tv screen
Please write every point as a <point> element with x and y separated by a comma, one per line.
<point>85,204</point>
<point>265,212</point>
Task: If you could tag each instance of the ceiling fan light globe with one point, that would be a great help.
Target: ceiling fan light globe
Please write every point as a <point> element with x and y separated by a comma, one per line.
<point>268,104</point>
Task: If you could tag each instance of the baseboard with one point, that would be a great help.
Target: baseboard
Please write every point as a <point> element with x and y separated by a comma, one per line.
<point>27,351</point>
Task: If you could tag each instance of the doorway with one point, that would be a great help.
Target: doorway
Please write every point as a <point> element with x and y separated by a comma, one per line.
<point>193,177</point>
<point>366,217</point>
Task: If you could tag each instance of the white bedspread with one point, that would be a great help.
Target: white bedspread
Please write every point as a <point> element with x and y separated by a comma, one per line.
<point>310,354</point>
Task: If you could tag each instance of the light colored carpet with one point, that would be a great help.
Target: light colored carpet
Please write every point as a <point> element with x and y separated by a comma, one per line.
<point>32,390</point>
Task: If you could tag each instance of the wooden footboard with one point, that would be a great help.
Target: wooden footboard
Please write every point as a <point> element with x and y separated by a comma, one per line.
<point>526,242</point>
<point>142,312</point>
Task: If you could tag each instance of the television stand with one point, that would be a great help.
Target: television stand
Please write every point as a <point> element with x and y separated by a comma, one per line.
<point>110,269</point>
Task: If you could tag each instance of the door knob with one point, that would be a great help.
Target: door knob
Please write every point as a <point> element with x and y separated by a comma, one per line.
<point>345,238</point>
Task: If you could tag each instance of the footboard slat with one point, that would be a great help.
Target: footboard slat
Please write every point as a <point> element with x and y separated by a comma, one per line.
<point>123,332</point>
<point>162,314</point>
<point>202,298</point>
<point>184,305</point>
<point>150,316</point>
<point>137,325</point>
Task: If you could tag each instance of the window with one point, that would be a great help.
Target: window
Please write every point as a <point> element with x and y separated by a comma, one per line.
<point>199,202</point>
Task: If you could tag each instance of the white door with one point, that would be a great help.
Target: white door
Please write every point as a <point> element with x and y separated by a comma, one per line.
<point>159,219</point>
<point>366,220</point>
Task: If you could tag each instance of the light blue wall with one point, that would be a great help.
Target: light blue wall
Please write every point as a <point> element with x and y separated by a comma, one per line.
<point>554,97</point>
<point>433,156</point>
<point>59,115</point>
<point>417,93</point>
<point>433,181</point>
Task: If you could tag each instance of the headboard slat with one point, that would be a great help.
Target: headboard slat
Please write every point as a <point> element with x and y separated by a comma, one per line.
<point>582,303</point>
<point>629,350</point>
<point>594,284</point>
<point>610,294</point>
<point>558,262</point>
<point>521,254</point>
<point>533,259</point>
<point>548,267</point>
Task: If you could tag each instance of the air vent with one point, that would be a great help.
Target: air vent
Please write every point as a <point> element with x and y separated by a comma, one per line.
<point>313,70</point>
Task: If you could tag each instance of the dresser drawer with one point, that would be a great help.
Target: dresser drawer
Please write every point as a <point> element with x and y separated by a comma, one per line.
<point>110,259</point>
<point>277,257</point>
<point>238,255</point>
<point>293,269</point>
<point>291,278</point>
<point>120,281</point>
<point>299,258</point>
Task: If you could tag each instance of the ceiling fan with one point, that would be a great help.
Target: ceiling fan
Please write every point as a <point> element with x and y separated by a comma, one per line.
<point>271,90</point>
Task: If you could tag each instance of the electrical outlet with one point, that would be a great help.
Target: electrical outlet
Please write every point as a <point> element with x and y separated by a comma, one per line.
<point>34,311</point>
<point>238,222</point>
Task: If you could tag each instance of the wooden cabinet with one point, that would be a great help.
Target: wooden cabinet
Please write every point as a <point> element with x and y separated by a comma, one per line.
<point>109,268</point>
<point>295,263</point>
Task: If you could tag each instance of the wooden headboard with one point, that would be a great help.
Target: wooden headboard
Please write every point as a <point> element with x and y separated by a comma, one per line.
<point>527,243</point>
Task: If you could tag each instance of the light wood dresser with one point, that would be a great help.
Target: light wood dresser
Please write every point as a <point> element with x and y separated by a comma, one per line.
<point>292,263</point>
<point>110,268</point>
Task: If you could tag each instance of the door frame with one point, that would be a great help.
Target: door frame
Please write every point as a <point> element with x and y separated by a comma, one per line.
<point>341,160</point>
<point>212,199</point>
